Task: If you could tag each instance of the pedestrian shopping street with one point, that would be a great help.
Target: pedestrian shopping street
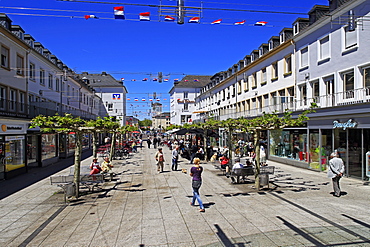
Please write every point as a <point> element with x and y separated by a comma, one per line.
<point>142,207</point>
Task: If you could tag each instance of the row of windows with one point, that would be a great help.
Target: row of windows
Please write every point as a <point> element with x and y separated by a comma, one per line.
<point>349,41</point>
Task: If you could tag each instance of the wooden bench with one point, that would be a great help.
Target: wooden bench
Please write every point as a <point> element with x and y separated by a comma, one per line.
<point>242,172</point>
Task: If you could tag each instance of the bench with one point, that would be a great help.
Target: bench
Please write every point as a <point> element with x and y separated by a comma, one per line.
<point>66,182</point>
<point>85,170</point>
<point>241,172</point>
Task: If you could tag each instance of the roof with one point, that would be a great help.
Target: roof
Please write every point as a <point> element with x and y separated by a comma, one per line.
<point>100,80</point>
<point>192,81</point>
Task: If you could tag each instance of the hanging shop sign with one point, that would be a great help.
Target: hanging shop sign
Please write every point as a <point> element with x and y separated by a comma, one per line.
<point>350,124</point>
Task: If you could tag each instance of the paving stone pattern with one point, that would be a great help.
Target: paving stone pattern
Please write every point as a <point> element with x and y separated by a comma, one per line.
<point>143,208</point>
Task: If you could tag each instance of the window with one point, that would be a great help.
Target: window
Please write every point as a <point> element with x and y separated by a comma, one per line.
<point>186,107</point>
<point>316,91</point>
<point>350,38</point>
<point>303,94</point>
<point>12,99</point>
<point>263,76</point>
<point>233,91</point>
<point>324,48</point>
<point>254,80</point>
<point>288,65</point>
<point>57,84</point>
<point>304,57</point>
<point>366,74</point>
<point>42,76</point>
<point>2,97</point>
<point>21,101</point>
<point>4,57</point>
<point>246,84</point>
<point>186,95</point>
<point>50,81</point>
<point>239,87</point>
<point>109,106</point>
<point>349,84</point>
<point>31,72</point>
<point>274,71</point>
<point>20,65</point>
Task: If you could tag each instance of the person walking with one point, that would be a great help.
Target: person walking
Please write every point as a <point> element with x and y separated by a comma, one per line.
<point>159,157</point>
<point>196,174</point>
<point>148,141</point>
<point>175,158</point>
<point>335,172</point>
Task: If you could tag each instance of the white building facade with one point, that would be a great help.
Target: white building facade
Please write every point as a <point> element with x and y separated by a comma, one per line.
<point>322,59</point>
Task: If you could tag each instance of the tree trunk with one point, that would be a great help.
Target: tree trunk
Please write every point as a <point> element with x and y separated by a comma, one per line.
<point>94,140</point>
<point>257,150</point>
<point>112,147</point>
<point>78,151</point>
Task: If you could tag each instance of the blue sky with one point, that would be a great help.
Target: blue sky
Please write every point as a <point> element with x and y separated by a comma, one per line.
<point>134,49</point>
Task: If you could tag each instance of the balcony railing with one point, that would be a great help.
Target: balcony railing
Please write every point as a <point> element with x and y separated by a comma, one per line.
<point>351,97</point>
<point>15,109</point>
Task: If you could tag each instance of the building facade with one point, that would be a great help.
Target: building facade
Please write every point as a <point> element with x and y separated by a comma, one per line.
<point>34,81</point>
<point>321,59</point>
<point>182,98</point>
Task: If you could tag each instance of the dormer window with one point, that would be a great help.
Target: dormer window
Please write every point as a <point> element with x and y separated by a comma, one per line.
<point>271,45</point>
<point>282,38</point>
<point>296,28</point>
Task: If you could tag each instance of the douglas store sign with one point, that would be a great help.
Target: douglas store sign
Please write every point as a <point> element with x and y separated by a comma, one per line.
<point>350,124</point>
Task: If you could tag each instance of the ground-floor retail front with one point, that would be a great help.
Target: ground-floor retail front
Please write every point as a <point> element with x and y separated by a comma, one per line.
<point>311,146</point>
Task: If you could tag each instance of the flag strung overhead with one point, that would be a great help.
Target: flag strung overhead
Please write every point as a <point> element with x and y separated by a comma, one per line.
<point>133,80</point>
<point>155,79</point>
<point>145,16</point>
<point>128,99</point>
<point>118,13</point>
<point>194,20</point>
<point>145,79</point>
<point>143,99</point>
<point>136,99</point>
<point>239,23</point>
<point>122,79</point>
<point>217,21</point>
<point>169,18</point>
<point>260,23</point>
<point>165,80</point>
<point>90,16</point>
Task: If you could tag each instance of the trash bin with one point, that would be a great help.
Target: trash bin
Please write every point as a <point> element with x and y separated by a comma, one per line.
<point>70,190</point>
<point>265,171</point>
<point>264,179</point>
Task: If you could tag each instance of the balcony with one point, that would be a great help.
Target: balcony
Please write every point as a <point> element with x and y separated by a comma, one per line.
<point>351,97</point>
<point>10,108</point>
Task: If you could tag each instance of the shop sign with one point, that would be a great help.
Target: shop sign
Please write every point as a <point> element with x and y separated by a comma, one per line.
<point>13,138</point>
<point>12,128</point>
<point>349,124</point>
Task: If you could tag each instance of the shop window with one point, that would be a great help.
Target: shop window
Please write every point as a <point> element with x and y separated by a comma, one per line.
<point>48,144</point>
<point>31,148</point>
<point>14,153</point>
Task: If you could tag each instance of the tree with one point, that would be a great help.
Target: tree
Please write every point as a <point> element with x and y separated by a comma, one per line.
<point>271,121</point>
<point>65,124</point>
<point>146,123</point>
<point>102,125</point>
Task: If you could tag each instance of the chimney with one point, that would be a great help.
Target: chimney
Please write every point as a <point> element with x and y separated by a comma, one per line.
<point>103,73</point>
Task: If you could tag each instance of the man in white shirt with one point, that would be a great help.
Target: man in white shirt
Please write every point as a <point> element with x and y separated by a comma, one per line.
<point>236,170</point>
<point>335,172</point>
<point>175,158</point>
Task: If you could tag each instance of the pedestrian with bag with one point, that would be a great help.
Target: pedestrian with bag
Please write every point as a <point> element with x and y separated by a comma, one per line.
<point>159,157</point>
<point>335,172</point>
<point>196,174</point>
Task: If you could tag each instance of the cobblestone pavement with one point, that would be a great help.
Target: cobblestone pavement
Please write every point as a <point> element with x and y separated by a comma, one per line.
<point>143,208</point>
